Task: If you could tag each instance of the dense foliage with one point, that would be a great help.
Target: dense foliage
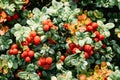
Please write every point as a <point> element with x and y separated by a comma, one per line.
<point>59,40</point>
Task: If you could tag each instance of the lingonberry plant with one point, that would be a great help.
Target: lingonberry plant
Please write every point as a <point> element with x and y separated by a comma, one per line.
<point>63,40</point>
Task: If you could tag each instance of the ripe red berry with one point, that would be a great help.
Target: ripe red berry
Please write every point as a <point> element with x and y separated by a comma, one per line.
<point>46,28</point>
<point>27,59</point>
<point>39,63</point>
<point>28,49</point>
<point>86,55</point>
<point>29,39</point>
<point>72,45</point>
<point>47,66</point>
<point>25,43</point>
<point>87,48</point>
<point>24,54</point>
<point>31,54</point>
<point>101,37</point>
<point>39,73</point>
<point>97,34</point>
<point>89,28</point>
<point>50,24</point>
<point>14,46</point>
<point>74,50</point>
<point>43,60</point>
<point>44,22</point>
<point>49,60</point>
<point>9,18</point>
<point>65,25</point>
<point>91,53</point>
<point>94,25</point>
<point>51,41</point>
<point>37,40</point>
<point>10,52</point>
<point>32,34</point>
<point>62,57</point>
<point>96,39</point>
<point>15,51</point>
<point>103,46</point>
<point>15,16</point>
<point>48,20</point>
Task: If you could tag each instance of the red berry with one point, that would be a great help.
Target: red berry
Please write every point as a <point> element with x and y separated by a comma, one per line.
<point>62,57</point>
<point>32,34</point>
<point>65,25</point>
<point>101,37</point>
<point>72,45</point>
<point>27,59</point>
<point>103,46</point>
<point>86,55</point>
<point>39,73</point>
<point>31,54</point>
<point>87,48</point>
<point>91,53</point>
<point>23,8</point>
<point>54,27</point>
<point>15,16</point>
<point>51,41</point>
<point>47,66</point>
<point>37,40</point>
<point>14,46</point>
<point>80,48</point>
<point>48,20</point>
<point>89,28</point>
<point>39,63</point>
<point>94,25</point>
<point>44,22</point>
<point>28,49</point>
<point>29,39</point>
<point>9,18</point>
<point>50,24</point>
<point>43,60</point>
<point>24,54</point>
<point>49,60</point>
<point>96,39</point>
<point>46,28</point>
<point>10,52</point>
<point>15,51</point>
<point>25,43</point>
<point>97,34</point>
<point>74,50</point>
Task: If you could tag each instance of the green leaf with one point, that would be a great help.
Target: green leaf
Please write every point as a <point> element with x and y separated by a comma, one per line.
<point>53,78</point>
<point>10,64</point>
<point>106,33</point>
<point>23,75</point>
<point>30,68</point>
<point>110,25</point>
<point>34,76</point>
<point>82,42</point>
<point>36,11</point>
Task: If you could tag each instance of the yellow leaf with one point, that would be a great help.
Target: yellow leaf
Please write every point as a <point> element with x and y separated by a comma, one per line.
<point>118,35</point>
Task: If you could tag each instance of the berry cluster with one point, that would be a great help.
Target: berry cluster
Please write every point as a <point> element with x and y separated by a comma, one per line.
<point>92,27</point>
<point>14,17</point>
<point>98,36</point>
<point>14,49</point>
<point>45,62</point>
<point>88,49</point>
<point>47,25</point>
<point>33,38</point>
<point>27,55</point>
